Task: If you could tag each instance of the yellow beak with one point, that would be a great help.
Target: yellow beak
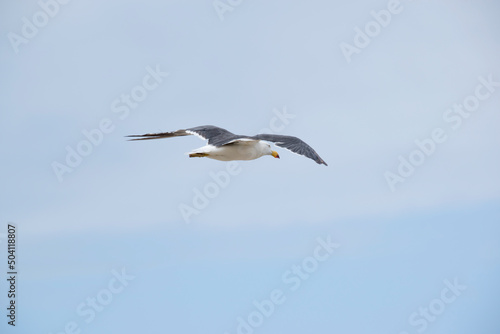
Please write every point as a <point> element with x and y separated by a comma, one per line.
<point>275,154</point>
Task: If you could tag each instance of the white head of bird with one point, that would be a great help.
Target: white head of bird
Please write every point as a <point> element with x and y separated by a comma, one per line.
<point>269,151</point>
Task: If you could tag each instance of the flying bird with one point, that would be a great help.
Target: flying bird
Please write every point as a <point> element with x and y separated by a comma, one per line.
<point>226,146</point>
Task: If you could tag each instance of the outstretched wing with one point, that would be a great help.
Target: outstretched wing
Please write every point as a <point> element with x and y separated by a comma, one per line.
<point>216,136</point>
<point>293,144</point>
<point>159,135</point>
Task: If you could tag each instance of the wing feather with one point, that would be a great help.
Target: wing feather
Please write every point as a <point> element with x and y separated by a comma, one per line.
<point>293,144</point>
<point>216,136</point>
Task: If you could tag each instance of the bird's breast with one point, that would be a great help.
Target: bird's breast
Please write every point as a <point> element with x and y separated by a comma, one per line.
<point>237,152</point>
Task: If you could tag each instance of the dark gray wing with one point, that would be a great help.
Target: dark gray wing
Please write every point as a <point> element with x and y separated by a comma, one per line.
<point>216,136</point>
<point>159,135</point>
<point>293,144</point>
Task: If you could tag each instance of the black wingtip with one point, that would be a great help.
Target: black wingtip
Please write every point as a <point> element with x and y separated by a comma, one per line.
<point>142,137</point>
<point>320,161</point>
<point>135,137</point>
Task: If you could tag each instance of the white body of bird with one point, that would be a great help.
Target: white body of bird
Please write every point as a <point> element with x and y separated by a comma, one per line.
<point>239,150</point>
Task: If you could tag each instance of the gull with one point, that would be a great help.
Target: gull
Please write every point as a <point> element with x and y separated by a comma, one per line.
<point>226,146</point>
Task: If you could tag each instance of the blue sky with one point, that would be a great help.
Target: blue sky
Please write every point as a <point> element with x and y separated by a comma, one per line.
<point>408,125</point>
